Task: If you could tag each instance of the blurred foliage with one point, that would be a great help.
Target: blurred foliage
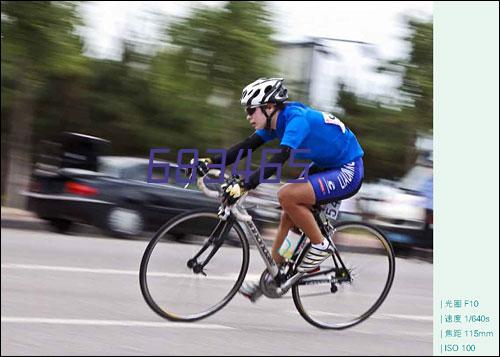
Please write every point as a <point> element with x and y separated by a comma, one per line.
<point>38,42</point>
<point>38,37</point>
<point>416,72</point>
<point>388,134</point>
<point>186,94</point>
<point>212,55</point>
<point>418,75</point>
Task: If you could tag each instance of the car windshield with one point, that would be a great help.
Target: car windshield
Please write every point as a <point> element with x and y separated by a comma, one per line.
<point>174,178</point>
<point>133,169</point>
<point>107,167</point>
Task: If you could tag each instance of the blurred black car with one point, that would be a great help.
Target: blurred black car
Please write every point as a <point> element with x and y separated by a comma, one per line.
<point>117,198</point>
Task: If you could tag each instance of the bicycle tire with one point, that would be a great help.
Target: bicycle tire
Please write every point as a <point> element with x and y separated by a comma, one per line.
<point>161,233</point>
<point>391,267</point>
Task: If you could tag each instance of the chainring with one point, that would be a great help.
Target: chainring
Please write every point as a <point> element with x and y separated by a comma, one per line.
<point>269,287</point>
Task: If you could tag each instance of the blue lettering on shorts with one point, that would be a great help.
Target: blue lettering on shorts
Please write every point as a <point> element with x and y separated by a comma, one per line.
<point>339,183</point>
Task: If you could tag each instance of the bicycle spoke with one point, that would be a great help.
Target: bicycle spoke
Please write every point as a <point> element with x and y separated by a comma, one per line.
<point>360,277</point>
<point>180,292</point>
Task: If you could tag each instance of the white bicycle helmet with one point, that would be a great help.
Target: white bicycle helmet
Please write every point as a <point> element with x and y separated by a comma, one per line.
<point>263,91</point>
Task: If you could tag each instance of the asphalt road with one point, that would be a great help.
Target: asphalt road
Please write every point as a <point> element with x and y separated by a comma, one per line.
<point>80,295</point>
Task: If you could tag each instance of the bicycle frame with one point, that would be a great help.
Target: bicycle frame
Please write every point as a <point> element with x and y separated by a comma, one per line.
<point>275,281</point>
<point>261,246</point>
<point>239,213</point>
<point>242,215</point>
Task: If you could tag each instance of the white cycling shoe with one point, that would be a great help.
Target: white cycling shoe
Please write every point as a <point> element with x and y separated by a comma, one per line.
<point>314,257</point>
<point>251,291</point>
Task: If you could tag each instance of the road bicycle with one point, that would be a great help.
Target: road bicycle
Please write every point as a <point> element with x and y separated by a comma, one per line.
<point>187,282</point>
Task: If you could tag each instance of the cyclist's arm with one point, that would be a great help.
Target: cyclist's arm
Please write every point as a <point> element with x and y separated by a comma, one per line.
<point>252,142</point>
<point>278,158</point>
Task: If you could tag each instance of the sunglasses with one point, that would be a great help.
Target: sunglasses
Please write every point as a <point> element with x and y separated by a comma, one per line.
<point>251,110</point>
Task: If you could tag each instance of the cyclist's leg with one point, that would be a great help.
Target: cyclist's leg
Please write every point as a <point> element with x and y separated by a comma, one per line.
<point>302,194</point>
<point>322,187</point>
<point>286,223</point>
<point>296,199</point>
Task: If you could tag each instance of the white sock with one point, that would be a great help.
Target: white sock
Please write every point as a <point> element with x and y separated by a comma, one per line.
<point>323,245</point>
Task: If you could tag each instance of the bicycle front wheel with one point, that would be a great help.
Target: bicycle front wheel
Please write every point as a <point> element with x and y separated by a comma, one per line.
<point>352,284</point>
<point>175,281</point>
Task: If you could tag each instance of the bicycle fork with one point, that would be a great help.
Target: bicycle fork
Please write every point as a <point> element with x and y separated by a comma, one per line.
<point>217,238</point>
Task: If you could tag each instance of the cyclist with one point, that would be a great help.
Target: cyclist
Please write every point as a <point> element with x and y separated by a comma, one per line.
<point>336,171</point>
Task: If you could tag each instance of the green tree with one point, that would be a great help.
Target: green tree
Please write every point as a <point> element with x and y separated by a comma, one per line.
<point>211,56</point>
<point>38,41</point>
<point>388,134</point>
<point>416,72</point>
<point>383,133</point>
<point>112,100</point>
<point>418,77</point>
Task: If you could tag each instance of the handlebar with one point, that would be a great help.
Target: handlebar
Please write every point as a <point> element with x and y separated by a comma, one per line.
<point>237,209</point>
<point>201,184</point>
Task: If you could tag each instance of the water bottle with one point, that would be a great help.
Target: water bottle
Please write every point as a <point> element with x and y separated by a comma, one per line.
<point>290,244</point>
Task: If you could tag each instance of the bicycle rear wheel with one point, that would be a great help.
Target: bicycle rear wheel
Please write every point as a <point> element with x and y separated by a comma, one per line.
<point>352,284</point>
<point>173,281</point>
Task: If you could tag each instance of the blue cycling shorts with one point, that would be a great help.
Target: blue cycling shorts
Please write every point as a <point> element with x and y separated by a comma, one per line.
<point>336,184</point>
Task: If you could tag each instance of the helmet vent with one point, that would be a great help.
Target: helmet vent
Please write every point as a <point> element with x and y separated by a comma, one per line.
<point>264,90</point>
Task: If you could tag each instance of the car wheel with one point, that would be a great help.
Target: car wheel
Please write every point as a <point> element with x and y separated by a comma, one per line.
<point>60,225</point>
<point>123,222</point>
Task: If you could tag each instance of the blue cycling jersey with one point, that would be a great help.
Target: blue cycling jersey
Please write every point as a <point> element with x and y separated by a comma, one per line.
<point>330,143</point>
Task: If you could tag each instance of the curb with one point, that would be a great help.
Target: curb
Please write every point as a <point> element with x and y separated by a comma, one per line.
<point>37,224</point>
<point>24,224</point>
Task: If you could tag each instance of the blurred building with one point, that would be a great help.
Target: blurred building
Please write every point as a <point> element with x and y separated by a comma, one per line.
<point>314,68</point>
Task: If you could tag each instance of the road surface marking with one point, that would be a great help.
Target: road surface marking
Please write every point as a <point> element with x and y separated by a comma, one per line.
<point>372,317</point>
<point>404,317</point>
<point>34,320</point>
<point>122,272</point>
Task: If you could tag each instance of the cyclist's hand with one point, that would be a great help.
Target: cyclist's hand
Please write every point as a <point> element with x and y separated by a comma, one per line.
<point>232,190</point>
<point>202,167</point>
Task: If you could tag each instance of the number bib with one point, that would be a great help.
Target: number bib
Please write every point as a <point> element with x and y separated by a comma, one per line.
<point>331,210</point>
<point>332,119</point>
